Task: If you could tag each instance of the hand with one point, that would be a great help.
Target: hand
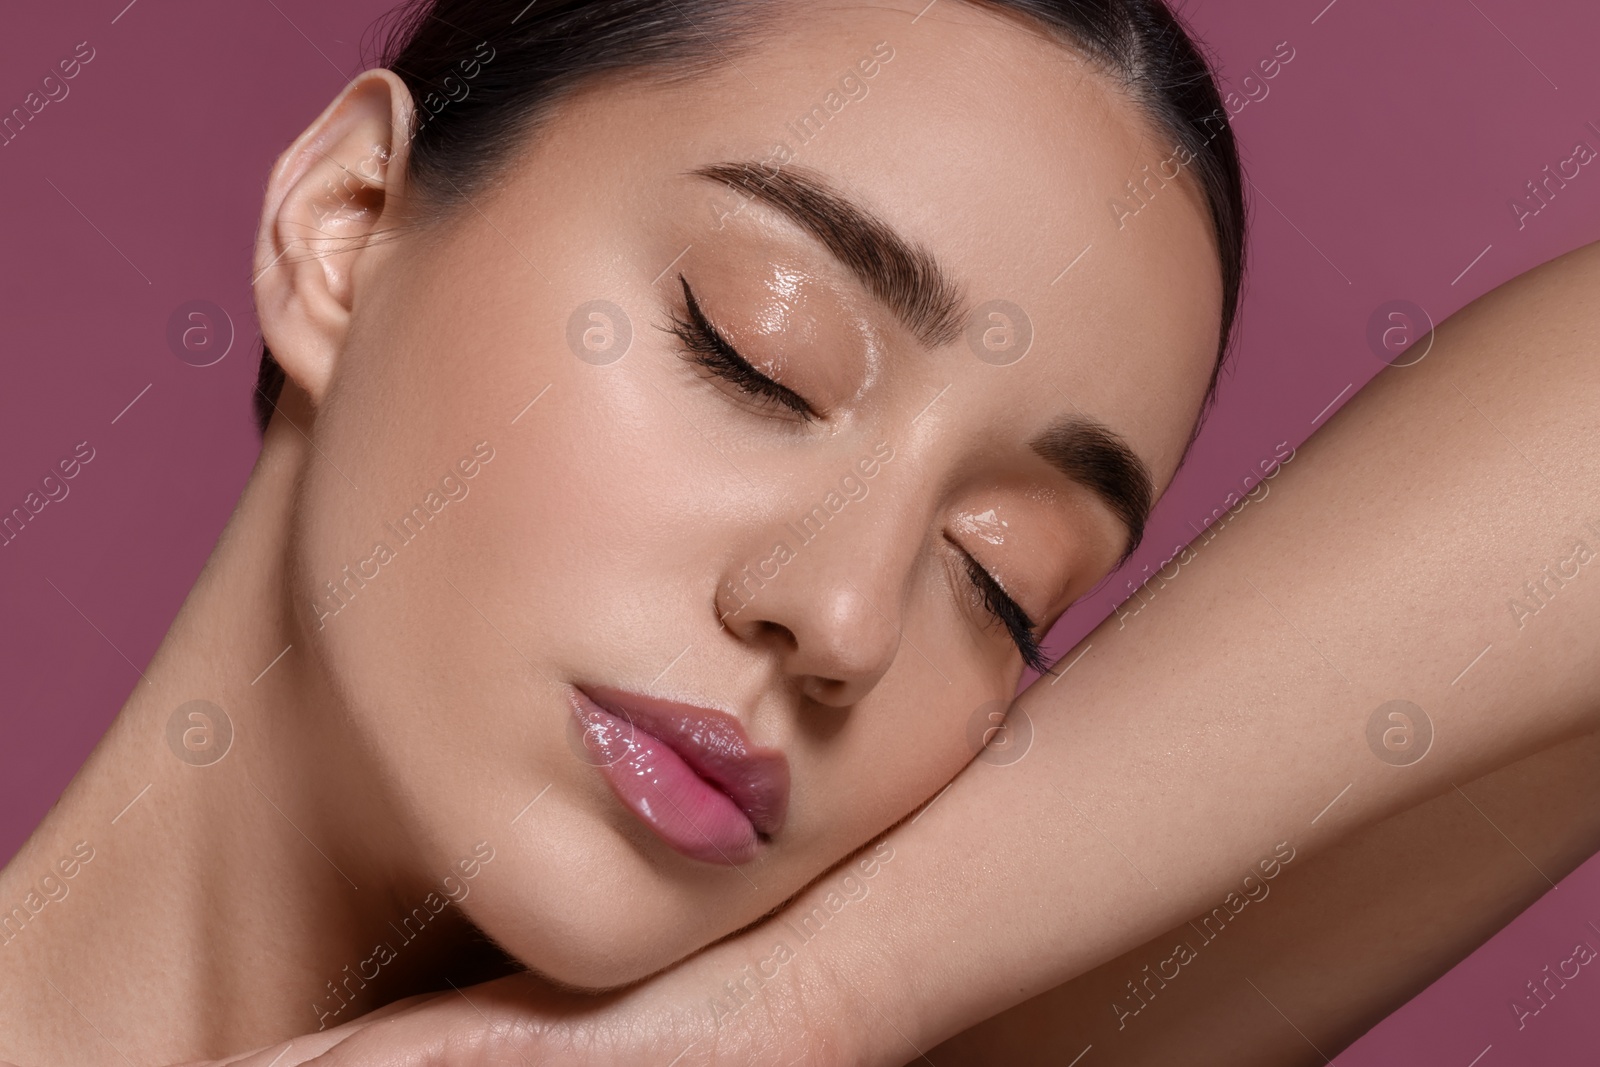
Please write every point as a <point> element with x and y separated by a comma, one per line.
<point>518,1021</point>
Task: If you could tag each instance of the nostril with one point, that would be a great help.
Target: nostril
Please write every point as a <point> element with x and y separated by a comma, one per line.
<point>824,717</point>
<point>829,693</point>
<point>781,633</point>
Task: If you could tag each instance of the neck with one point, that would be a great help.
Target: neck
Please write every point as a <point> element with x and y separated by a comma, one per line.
<point>192,895</point>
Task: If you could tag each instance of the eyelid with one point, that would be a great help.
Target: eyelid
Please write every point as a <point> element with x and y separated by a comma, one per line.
<point>708,348</point>
<point>1000,604</point>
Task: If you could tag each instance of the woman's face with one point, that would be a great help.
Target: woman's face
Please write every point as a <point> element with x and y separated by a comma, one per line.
<point>785,548</point>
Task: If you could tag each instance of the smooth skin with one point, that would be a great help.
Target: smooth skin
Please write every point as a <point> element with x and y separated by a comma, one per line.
<point>1173,757</point>
<point>414,735</point>
<point>1339,940</point>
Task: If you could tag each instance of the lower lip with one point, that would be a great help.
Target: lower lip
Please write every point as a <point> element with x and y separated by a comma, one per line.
<point>652,781</point>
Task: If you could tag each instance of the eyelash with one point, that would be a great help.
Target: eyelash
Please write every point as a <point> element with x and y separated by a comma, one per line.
<point>705,347</point>
<point>1011,616</point>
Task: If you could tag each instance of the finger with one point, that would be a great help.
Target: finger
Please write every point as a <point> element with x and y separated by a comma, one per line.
<point>452,1031</point>
<point>307,1047</point>
<point>404,1041</point>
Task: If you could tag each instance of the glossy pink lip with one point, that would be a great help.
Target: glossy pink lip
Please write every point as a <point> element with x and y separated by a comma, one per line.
<point>688,773</point>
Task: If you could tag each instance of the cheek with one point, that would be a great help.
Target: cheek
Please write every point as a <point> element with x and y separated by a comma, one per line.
<point>893,756</point>
<point>612,515</point>
<point>922,723</point>
<point>567,542</point>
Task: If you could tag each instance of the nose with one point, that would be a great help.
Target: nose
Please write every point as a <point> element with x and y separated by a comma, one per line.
<point>829,609</point>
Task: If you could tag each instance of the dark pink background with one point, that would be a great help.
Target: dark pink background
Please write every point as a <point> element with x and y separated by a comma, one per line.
<point>1382,159</point>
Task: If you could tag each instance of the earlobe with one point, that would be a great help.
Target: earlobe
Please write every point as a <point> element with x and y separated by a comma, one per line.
<point>339,185</point>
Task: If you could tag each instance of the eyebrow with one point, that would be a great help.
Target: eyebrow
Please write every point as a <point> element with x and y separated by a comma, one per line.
<point>921,294</point>
<point>1095,456</point>
<point>904,276</point>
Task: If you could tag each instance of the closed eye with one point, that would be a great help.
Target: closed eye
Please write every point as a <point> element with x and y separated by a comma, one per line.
<point>705,347</point>
<point>1016,621</point>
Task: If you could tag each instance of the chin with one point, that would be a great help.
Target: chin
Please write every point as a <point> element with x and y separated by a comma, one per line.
<point>594,956</point>
<point>600,918</point>
<point>590,974</point>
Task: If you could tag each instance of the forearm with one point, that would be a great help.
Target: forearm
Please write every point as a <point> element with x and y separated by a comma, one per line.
<point>1232,713</point>
<point>1335,943</point>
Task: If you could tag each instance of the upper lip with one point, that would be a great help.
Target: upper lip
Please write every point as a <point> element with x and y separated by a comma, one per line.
<point>715,746</point>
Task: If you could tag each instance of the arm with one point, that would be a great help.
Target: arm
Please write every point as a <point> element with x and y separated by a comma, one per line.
<point>1412,896</point>
<point>1229,717</point>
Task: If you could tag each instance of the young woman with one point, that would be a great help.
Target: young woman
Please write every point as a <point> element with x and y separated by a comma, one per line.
<point>1219,756</point>
<point>678,443</point>
<point>844,450</point>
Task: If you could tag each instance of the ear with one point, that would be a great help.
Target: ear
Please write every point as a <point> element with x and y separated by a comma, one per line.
<point>341,183</point>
